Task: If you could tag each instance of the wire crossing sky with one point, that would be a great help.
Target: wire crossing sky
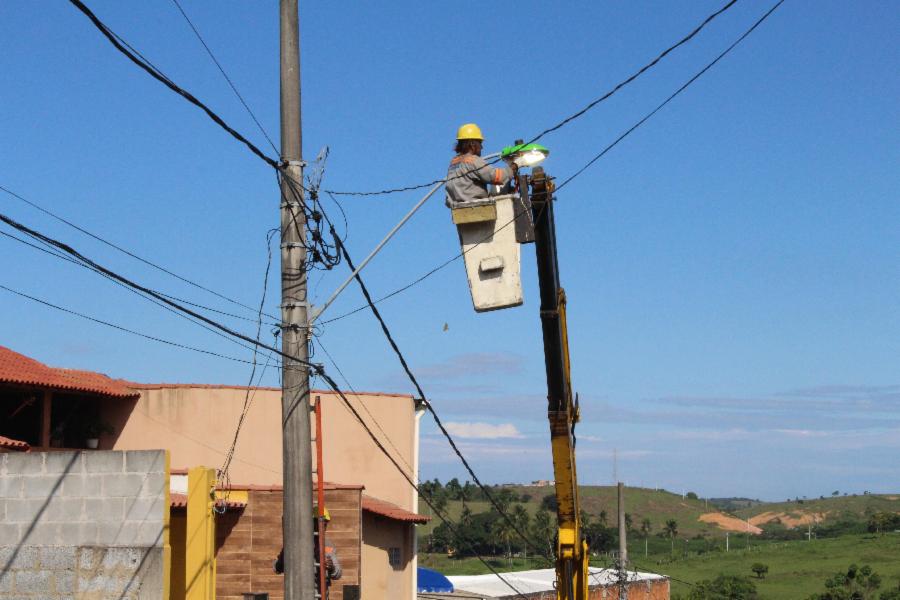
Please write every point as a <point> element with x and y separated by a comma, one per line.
<point>731,267</point>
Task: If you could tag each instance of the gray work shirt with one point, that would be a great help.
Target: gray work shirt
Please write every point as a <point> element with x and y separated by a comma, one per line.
<point>469,176</point>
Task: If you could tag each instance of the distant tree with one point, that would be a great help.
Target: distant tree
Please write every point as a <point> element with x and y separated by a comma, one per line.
<point>724,587</point>
<point>879,522</point>
<point>760,569</point>
<point>522,520</point>
<point>439,501</point>
<point>542,529</point>
<point>646,527</point>
<point>467,492</point>
<point>857,583</point>
<point>671,530</point>
<point>601,518</point>
<point>629,522</point>
<point>691,496</point>
<point>453,489</point>
<point>836,493</point>
<point>503,497</point>
<point>550,503</point>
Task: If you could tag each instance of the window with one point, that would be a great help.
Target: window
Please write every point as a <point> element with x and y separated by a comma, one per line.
<point>394,557</point>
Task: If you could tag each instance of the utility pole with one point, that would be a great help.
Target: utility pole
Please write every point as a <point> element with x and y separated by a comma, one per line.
<point>297,521</point>
<point>623,544</point>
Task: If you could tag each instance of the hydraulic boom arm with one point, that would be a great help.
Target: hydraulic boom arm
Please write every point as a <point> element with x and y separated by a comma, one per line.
<point>562,409</point>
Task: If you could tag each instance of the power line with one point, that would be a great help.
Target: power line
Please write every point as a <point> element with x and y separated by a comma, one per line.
<point>600,155</point>
<point>81,258</point>
<point>127,252</point>
<point>154,72</point>
<point>363,404</point>
<point>331,383</point>
<point>671,97</point>
<point>225,75</point>
<point>51,252</point>
<point>581,112</point>
<point>120,327</point>
<point>134,56</point>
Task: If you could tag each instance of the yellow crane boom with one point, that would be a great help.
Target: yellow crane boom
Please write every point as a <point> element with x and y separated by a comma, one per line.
<point>572,558</point>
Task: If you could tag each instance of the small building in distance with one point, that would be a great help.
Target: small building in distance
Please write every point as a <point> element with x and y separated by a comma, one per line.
<point>539,584</point>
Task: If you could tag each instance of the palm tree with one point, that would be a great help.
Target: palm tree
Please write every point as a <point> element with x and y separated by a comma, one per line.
<point>672,531</point>
<point>645,529</point>
<point>522,520</point>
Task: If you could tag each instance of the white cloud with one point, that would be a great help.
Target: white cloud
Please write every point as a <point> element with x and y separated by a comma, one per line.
<point>483,431</point>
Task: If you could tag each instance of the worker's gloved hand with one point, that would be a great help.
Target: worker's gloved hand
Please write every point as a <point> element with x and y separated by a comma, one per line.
<point>329,564</point>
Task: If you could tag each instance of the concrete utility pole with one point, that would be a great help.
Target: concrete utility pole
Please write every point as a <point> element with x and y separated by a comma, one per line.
<point>297,527</point>
<point>623,544</point>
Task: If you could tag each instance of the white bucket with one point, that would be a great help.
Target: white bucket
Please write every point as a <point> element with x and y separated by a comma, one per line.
<point>487,236</point>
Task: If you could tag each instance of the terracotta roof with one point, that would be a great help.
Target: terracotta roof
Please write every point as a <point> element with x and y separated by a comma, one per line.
<point>180,501</point>
<point>391,511</point>
<point>18,369</point>
<point>11,444</point>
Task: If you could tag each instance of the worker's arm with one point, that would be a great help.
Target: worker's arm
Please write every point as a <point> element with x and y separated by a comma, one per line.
<point>495,174</point>
<point>331,561</point>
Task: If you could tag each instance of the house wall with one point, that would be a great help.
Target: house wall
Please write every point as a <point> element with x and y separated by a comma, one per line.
<point>248,541</point>
<point>196,423</point>
<point>656,589</point>
<point>380,578</point>
<point>91,525</point>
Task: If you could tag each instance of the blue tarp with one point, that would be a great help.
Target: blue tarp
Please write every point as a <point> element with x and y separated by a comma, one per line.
<point>432,581</point>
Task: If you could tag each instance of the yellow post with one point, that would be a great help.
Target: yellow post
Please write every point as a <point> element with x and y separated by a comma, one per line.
<point>200,538</point>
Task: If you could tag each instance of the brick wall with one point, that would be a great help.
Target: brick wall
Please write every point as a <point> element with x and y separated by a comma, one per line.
<point>248,541</point>
<point>85,524</point>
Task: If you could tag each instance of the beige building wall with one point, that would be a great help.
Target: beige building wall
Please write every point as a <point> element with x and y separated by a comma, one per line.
<point>197,423</point>
<point>380,578</point>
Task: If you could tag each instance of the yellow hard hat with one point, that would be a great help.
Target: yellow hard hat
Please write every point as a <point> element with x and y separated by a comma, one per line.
<point>469,131</point>
<point>326,515</point>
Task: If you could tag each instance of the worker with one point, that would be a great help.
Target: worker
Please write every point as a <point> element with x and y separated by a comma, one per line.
<point>333,569</point>
<point>469,176</point>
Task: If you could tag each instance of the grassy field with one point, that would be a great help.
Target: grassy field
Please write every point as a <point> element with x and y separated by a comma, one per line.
<point>796,569</point>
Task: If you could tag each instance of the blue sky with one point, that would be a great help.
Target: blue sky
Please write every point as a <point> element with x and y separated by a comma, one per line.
<point>733,267</point>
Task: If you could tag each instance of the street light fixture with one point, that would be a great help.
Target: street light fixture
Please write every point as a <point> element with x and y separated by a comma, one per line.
<point>526,155</point>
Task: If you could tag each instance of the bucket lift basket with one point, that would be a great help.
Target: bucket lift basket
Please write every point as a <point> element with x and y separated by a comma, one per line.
<point>488,238</point>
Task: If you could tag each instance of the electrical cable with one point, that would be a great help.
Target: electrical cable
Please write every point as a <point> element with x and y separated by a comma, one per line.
<point>349,385</point>
<point>50,213</point>
<point>333,385</point>
<point>671,97</point>
<point>223,474</point>
<point>120,327</point>
<point>145,65</point>
<point>581,112</point>
<point>81,258</point>
<point>129,289</point>
<point>135,57</point>
<point>225,75</point>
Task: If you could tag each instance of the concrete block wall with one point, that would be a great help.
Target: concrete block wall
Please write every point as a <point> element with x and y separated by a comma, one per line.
<point>88,525</point>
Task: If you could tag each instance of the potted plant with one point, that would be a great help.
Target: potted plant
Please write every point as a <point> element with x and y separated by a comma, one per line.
<point>93,430</point>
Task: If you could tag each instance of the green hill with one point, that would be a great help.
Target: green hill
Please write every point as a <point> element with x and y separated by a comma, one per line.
<point>656,505</point>
<point>821,511</point>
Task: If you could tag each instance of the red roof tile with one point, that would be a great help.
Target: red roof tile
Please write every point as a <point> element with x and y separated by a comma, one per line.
<point>391,511</point>
<point>18,369</point>
<point>11,444</point>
